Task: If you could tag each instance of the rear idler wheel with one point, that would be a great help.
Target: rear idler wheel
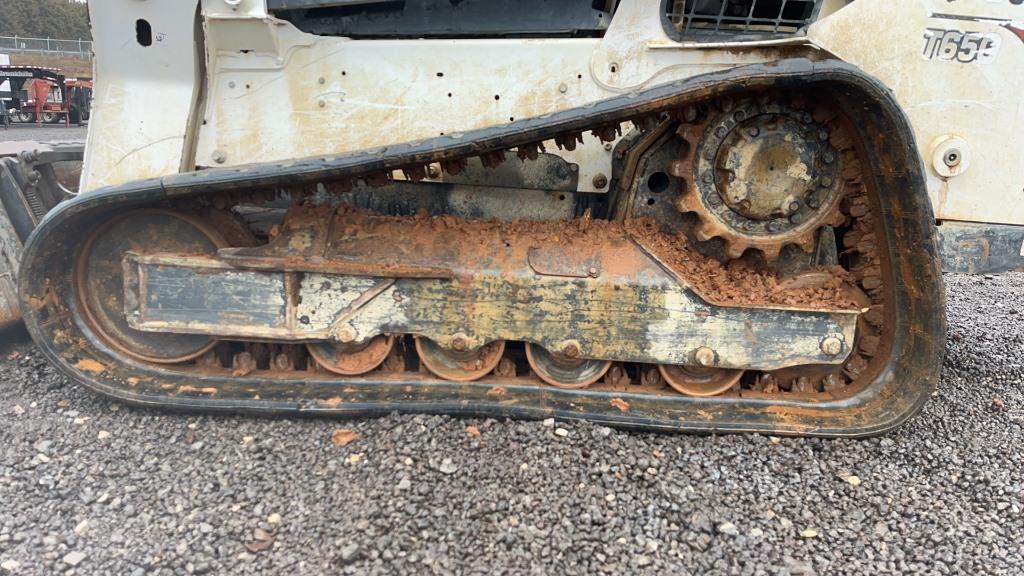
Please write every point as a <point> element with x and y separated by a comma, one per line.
<point>99,280</point>
<point>699,381</point>
<point>459,365</point>
<point>352,359</point>
<point>562,371</point>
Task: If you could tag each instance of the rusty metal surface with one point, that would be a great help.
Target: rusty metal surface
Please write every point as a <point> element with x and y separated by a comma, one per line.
<point>626,307</point>
<point>764,174</point>
<point>890,392</point>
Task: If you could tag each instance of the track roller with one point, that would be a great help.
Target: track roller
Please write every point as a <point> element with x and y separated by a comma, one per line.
<point>699,381</point>
<point>564,372</point>
<point>352,360</point>
<point>459,365</point>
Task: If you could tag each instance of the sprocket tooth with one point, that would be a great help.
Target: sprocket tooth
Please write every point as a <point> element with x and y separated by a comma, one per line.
<point>703,233</point>
<point>735,249</point>
<point>806,243</point>
<point>771,251</point>
<point>679,169</point>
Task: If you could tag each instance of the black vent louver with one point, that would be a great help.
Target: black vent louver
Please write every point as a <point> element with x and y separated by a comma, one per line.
<point>707,19</point>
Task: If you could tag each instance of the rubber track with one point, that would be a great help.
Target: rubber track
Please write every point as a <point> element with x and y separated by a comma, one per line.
<point>893,393</point>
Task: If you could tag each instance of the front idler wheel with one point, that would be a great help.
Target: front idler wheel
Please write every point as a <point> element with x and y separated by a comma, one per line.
<point>99,279</point>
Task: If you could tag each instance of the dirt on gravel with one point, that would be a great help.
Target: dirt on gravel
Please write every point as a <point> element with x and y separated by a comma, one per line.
<point>90,486</point>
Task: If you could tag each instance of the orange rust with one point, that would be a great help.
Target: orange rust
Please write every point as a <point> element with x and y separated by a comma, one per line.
<point>90,365</point>
<point>187,388</point>
<point>448,246</point>
<point>620,404</point>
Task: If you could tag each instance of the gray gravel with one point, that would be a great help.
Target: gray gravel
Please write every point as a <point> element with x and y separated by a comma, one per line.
<point>45,133</point>
<point>88,486</point>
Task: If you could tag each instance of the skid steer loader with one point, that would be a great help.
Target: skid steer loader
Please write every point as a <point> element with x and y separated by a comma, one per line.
<point>703,215</point>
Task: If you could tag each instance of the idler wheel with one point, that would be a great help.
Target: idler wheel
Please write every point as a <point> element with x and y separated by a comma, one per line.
<point>99,279</point>
<point>459,365</point>
<point>562,371</point>
<point>352,359</point>
<point>699,381</point>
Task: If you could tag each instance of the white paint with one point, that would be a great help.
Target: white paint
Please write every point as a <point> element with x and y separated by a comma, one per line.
<point>265,101</point>
<point>982,105</point>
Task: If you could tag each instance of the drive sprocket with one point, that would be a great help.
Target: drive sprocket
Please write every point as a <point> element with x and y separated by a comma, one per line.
<point>761,174</point>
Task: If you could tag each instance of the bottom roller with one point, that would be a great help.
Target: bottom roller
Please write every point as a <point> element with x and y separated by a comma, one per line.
<point>765,263</point>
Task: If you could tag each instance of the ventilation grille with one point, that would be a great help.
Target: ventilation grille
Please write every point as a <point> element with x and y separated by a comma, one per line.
<point>701,19</point>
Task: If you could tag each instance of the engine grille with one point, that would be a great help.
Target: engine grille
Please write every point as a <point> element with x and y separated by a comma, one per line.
<point>701,19</point>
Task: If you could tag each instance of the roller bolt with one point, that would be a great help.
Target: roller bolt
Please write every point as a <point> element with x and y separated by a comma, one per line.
<point>831,346</point>
<point>704,356</point>
<point>459,342</point>
<point>570,349</point>
<point>346,334</point>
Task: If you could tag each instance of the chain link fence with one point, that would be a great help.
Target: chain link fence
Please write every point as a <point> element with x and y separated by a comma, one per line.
<point>45,46</point>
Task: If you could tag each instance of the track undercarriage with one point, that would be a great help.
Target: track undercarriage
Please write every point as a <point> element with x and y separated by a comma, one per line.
<point>764,261</point>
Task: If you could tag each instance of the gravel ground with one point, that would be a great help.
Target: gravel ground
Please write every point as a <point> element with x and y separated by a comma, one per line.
<point>45,133</point>
<point>88,486</point>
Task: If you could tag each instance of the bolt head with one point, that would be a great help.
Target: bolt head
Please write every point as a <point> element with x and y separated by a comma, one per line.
<point>704,356</point>
<point>459,342</point>
<point>594,272</point>
<point>347,334</point>
<point>600,181</point>
<point>754,132</point>
<point>831,346</point>
<point>570,349</point>
<point>219,157</point>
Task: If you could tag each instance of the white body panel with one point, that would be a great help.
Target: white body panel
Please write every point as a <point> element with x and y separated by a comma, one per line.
<point>272,92</point>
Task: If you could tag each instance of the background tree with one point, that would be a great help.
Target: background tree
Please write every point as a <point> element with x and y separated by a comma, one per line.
<point>64,19</point>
